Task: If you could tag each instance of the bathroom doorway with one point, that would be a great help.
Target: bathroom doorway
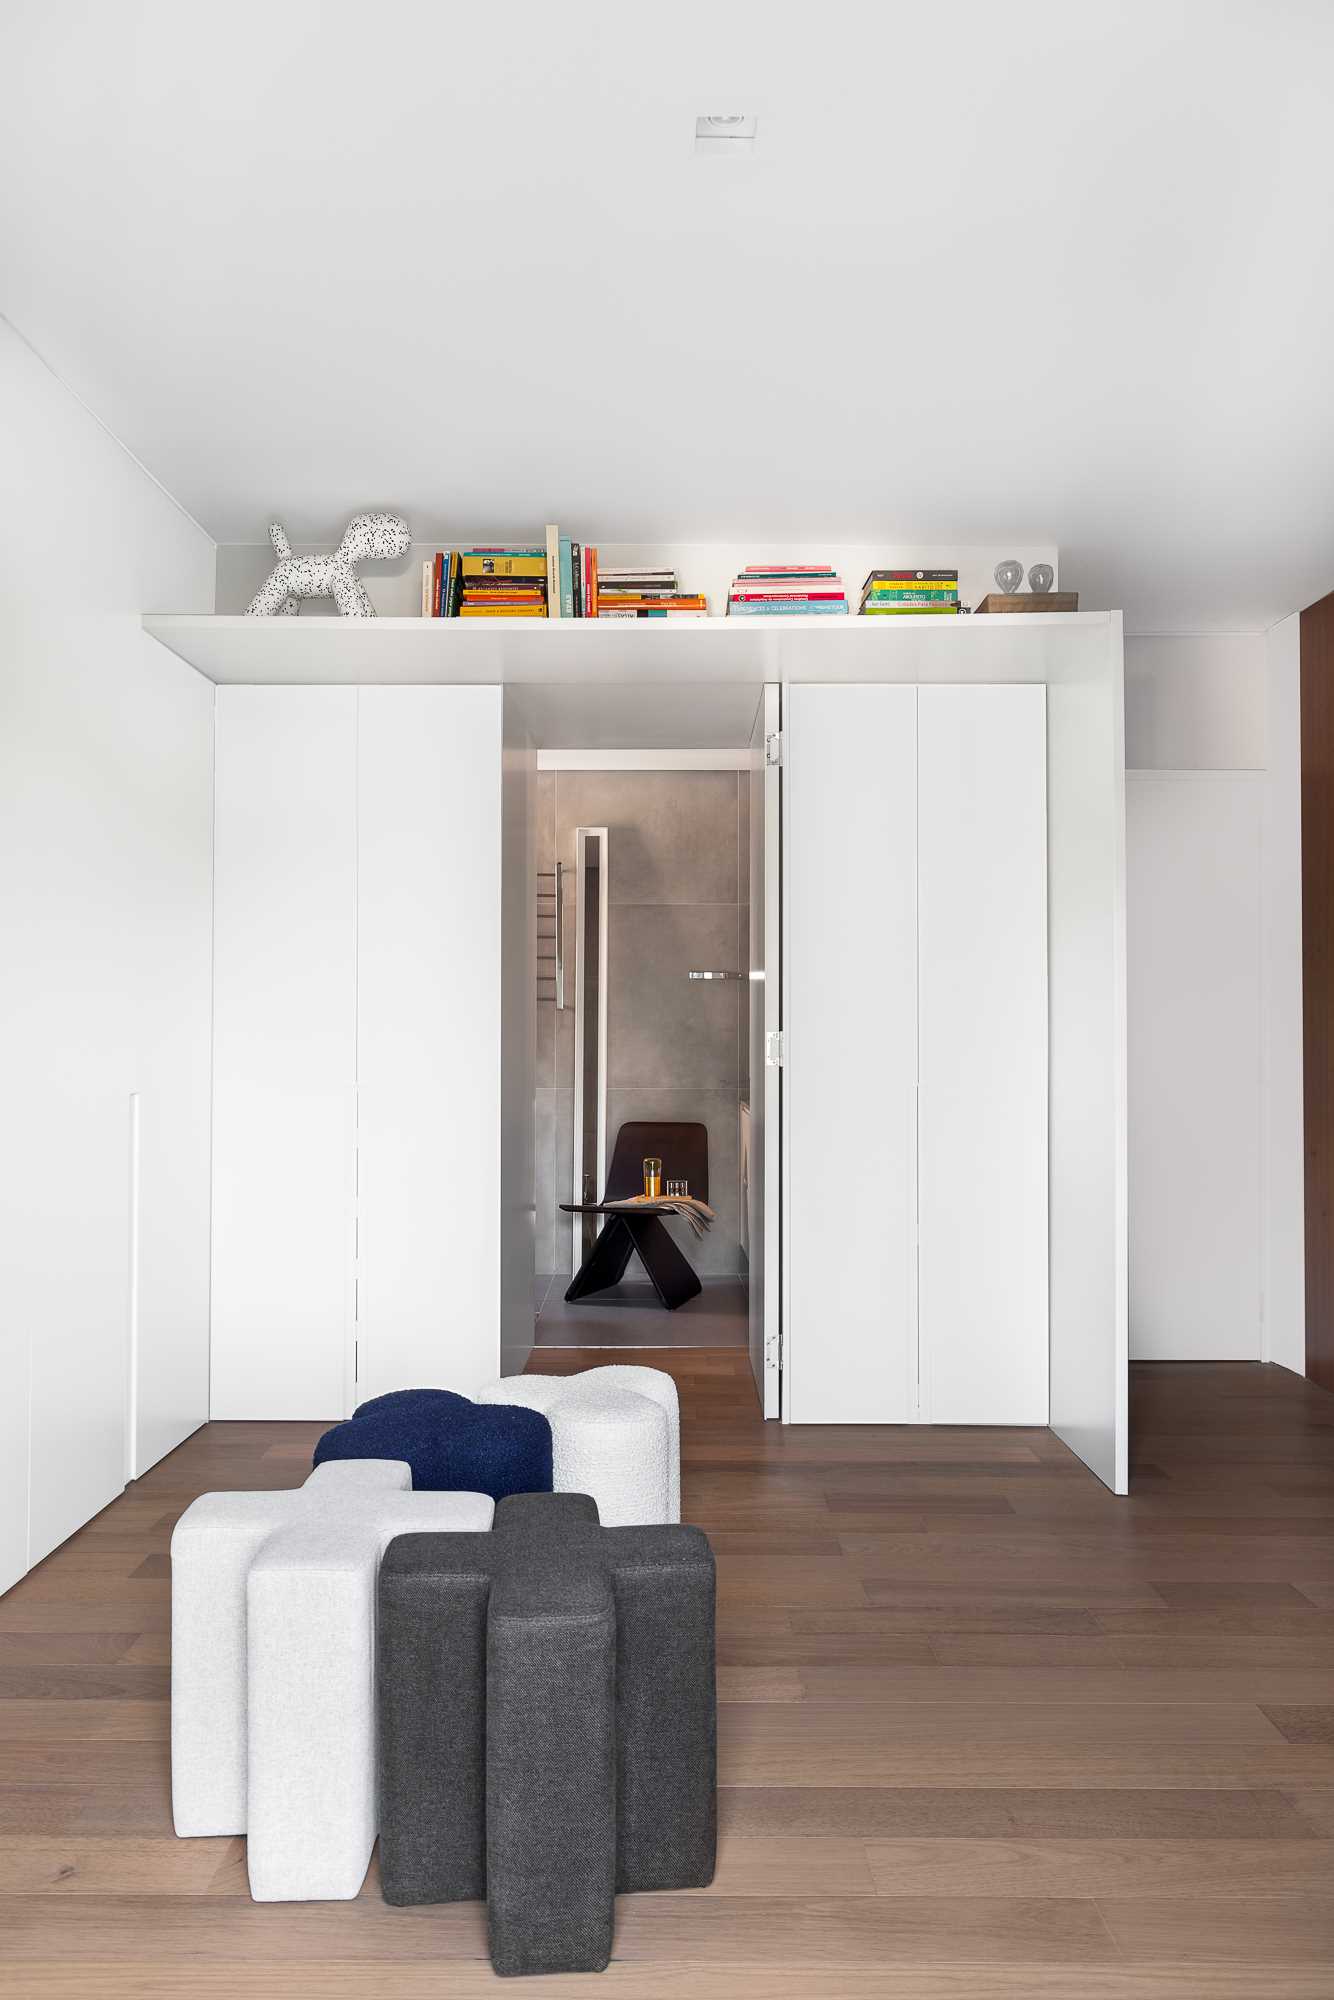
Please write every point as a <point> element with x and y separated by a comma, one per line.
<point>650,987</point>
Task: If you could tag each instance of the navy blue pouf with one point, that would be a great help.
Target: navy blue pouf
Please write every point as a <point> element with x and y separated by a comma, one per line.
<point>453,1445</point>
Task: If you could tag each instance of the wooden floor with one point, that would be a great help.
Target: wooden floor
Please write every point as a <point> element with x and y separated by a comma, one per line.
<point>985,1730</point>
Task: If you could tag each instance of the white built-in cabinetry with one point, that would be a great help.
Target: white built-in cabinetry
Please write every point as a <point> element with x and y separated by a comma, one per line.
<point>429,1000</point>
<point>284,1050</point>
<point>357,1045</point>
<point>916,1054</point>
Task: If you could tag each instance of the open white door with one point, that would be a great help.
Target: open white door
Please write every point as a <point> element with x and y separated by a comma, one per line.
<point>1086,876</point>
<point>761,1166</point>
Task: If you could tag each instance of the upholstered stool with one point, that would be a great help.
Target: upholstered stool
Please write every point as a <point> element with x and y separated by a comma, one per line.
<point>547,1723</point>
<point>452,1444</point>
<point>616,1433</point>
<point>272,1667</point>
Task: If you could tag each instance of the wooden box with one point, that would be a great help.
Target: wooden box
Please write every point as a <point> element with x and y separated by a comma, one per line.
<point>1029,600</point>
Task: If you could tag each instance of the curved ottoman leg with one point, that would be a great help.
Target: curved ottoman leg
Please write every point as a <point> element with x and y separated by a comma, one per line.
<point>659,1385</point>
<point>551,1775</point>
<point>617,1440</point>
<point>615,1446</point>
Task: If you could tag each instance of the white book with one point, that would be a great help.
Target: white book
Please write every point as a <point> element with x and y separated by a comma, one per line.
<point>428,587</point>
<point>553,571</point>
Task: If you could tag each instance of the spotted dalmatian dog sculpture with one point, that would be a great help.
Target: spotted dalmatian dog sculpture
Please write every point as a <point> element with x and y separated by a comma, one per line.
<point>369,537</point>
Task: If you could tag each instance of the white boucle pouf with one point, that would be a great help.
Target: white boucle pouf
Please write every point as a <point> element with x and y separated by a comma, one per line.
<point>615,1433</point>
<point>273,1667</point>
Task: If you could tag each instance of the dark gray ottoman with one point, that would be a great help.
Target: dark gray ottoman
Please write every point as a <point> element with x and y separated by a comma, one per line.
<point>547,1723</point>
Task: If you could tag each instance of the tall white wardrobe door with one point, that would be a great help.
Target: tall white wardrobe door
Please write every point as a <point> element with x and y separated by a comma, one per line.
<point>284,1051</point>
<point>429,1037</point>
<point>850,1046</point>
<point>982,934</point>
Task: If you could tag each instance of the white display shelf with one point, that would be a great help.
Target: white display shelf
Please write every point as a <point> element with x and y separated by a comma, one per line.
<point>241,651</point>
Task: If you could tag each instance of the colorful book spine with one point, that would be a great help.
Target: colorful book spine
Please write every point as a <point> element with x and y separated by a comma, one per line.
<point>911,597</point>
<point>794,596</point>
<point>577,567</point>
<point>786,606</point>
<point>913,576</point>
<point>503,611</point>
<point>910,611</point>
<point>565,557</point>
<point>593,583</point>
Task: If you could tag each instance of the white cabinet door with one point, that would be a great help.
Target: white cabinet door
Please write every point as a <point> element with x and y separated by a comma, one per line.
<point>284,1051</point>
<point>850,1052</point>
<point>429,1037</point>
<point>982,1063</point>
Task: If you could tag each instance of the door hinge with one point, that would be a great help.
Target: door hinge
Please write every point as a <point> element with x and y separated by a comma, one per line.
<point>773,1049</point>
<point>773,748</point>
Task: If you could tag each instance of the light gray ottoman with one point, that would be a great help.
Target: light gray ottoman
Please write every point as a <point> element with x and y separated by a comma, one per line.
<point>273,1667</point>
<point>615,1434</point>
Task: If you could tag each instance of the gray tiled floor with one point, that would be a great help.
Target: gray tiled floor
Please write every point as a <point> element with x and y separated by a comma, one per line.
<point>629,1316</point>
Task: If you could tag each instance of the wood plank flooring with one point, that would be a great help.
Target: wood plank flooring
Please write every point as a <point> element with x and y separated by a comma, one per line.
<point>985,1731</point>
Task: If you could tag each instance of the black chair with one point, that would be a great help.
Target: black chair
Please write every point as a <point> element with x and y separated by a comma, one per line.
<point>684,1152</point>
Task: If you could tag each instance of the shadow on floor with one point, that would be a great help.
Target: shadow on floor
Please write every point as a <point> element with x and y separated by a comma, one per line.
<point>628,1315</point>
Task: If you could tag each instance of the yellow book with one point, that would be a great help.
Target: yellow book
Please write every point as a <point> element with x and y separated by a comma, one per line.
<point>499,564</point>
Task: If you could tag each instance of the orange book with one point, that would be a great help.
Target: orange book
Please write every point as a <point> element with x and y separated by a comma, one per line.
<point>591,608</point>
<point>657,603</point>
<point>504,597</point>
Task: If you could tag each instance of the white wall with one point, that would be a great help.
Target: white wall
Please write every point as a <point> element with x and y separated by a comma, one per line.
<point>1196,702</point>
<point>105,822</point>
<point>1218,703</point>
<point>1193,869</point>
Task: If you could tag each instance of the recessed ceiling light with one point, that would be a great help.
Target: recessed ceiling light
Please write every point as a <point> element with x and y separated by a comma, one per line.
<point>725,132</point>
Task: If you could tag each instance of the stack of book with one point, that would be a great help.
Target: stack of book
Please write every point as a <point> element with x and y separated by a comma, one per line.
<point>910,592</point>
<point>802,588</point>
<point>509,582</point>
<point>638,592</point>
<point>495,582</point>
<point>558,578</point>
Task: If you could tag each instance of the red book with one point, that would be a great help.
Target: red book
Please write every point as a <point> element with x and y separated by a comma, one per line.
<point>437,607</point>
<point>787,590</point>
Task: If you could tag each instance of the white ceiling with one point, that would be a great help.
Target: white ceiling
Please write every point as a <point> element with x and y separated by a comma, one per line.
<point>1028,272</point>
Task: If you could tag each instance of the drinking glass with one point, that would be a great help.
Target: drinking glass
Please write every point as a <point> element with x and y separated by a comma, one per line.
<point>653,1179</point>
